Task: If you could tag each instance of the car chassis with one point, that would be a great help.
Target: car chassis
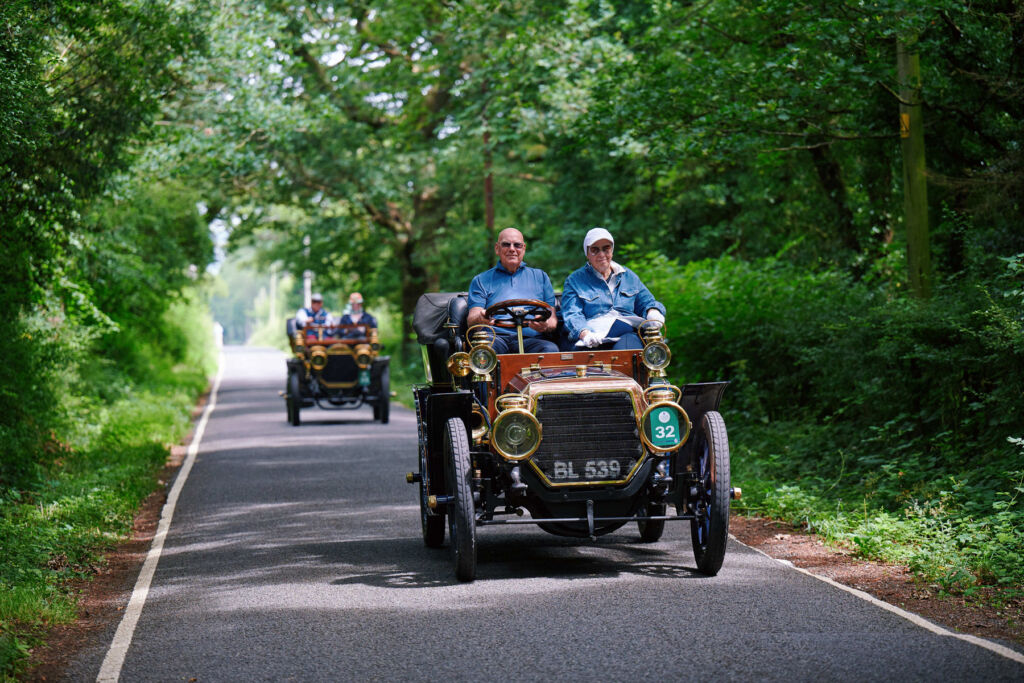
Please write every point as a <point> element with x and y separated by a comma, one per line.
<point>585,441</point>
<point>336,367</point>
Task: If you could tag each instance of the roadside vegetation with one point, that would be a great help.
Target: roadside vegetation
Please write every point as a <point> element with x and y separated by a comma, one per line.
<point>105,333</point>
<point>748,160</point>
<point>885,424</point>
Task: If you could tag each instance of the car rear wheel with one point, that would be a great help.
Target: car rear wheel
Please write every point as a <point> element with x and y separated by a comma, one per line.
<point>432,522</point>
<point>461,512</point>
<point>651,530</point>
<point>294,399</point>
<point>710,530</point>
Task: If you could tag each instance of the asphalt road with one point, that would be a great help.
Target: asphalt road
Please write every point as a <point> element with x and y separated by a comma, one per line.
<point>295,554</point>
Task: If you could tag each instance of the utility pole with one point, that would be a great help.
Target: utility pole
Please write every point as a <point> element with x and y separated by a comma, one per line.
<point>307,276</point>
<point>915,185</point>
<point>273,293</point>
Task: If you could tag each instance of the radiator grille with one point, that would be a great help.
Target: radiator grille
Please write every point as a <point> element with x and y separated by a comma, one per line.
<point>340,368</point>
<point>588,437</point>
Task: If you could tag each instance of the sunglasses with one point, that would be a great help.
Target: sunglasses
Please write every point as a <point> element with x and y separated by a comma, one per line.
<point>513,245</point>
<point>607,249</point>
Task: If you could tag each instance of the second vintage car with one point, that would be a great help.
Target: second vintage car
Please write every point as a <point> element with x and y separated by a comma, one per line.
<point>336,367</point>
<point>584,442</point>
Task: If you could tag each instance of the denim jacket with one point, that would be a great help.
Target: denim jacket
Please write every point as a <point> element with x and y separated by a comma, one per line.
<point>586,295</point>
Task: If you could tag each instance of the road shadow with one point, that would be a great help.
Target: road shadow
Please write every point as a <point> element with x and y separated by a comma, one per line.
<point>415,566</point>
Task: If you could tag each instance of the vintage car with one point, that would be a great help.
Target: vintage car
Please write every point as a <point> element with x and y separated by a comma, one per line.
<point>336,367</point>
<point>584,441</point>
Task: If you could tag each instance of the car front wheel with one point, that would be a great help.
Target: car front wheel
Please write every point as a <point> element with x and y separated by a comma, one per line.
<point>710,530</point>
<point>382,411</point>
<point>294,399</point>
<point>461,511</point>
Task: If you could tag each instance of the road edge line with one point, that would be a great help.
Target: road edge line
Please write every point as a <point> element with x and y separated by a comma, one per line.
<point>916,619</point>
<point>110,670</point>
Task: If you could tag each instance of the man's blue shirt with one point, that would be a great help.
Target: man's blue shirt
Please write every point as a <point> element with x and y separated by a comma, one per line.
<point>497,284</point>
<point>319,318</point>
<point>586,295</point>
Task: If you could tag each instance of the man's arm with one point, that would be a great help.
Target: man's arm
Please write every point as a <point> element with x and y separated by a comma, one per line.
<point>547,326</point>
<point>478,317</point>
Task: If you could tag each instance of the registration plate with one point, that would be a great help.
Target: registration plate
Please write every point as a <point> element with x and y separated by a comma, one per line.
<point>590,470</point>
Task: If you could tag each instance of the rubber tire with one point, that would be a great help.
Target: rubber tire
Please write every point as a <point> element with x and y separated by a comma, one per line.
<point>382,411</point>
<point>711,534</point>
<point>461,511</point>
<point>432,523</point>
<point>650,532</point>
<point>294,399</point>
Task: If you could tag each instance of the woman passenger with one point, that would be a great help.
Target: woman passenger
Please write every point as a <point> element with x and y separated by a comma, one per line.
<point>603,302</point>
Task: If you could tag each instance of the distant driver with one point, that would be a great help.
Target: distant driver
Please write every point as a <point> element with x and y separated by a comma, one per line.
<point>316,314</point>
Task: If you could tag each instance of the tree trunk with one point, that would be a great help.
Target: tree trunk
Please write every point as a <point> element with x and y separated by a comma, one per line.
<point>915,187</point>
<point>831,178</point>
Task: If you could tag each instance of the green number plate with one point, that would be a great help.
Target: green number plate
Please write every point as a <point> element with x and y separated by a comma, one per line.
<point>364,378</point>
<point>665,427</point>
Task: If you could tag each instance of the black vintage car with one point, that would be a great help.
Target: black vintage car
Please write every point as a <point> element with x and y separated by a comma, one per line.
<point>584,441</point>
<point>336,367</point>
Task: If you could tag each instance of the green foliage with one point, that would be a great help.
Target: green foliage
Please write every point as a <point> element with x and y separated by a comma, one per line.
<point>852,393</point>
<point>77,83</point>
<point>107,417</point>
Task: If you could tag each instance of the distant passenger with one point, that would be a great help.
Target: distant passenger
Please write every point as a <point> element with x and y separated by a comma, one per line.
<point>511,278</point>
<point>603,302</point>
<point>316,314</point>
<point>357,316</point>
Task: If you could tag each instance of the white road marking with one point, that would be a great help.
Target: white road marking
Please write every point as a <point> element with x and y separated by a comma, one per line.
<point>110,670</point>
<point>1001,650</point>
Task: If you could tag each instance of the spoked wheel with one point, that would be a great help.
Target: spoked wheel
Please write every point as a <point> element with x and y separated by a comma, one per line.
<point>651,530</point>
<point>461,513</point>
<point>294,399</point>
<point>382,411</point>
<point>432,522</point>
<point>710,530</point>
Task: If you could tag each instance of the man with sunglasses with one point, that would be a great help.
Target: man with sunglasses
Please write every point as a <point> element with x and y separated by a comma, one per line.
<point>603,302</point>
<point>511,278</point>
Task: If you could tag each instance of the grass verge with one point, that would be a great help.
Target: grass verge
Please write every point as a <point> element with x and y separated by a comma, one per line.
<point>56,526</point>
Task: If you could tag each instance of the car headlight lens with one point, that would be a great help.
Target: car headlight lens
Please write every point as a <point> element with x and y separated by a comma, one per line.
<point>483,360</point>
<point>656,355</point>
<point>318,357</point>
<point>515,434</point>
<point>666,426</point>
<point>364,355</point>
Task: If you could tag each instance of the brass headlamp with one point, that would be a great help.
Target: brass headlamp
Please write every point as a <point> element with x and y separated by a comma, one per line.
<point>516,432</point>
<point>656,354</point>
<point>364,355</point>
<point>482,358</point>
<point>665,426</point>
<point>318,357</point>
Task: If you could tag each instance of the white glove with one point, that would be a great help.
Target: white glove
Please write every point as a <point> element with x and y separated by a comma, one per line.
<point>589,340</point>
<point>655,314</point>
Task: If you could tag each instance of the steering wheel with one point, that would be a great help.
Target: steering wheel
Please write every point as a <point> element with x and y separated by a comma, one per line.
<point>520,312</point>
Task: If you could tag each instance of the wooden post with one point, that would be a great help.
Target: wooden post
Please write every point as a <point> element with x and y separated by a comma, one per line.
<point>915,186</point>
